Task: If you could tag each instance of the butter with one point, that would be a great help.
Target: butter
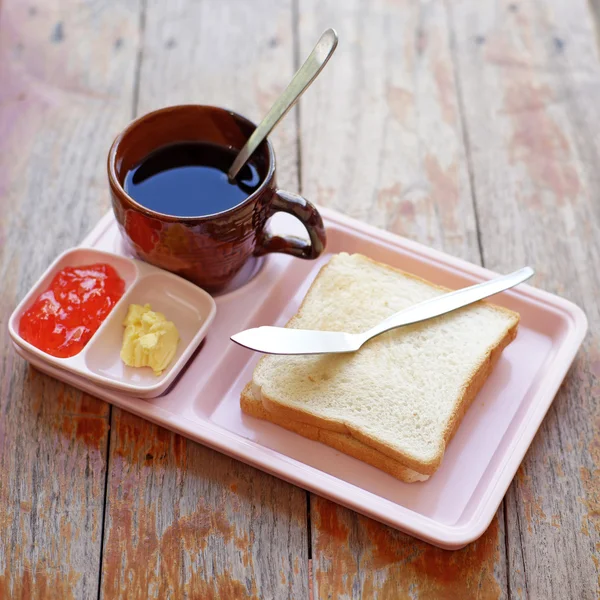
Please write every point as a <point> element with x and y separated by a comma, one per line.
<point>149,339</point>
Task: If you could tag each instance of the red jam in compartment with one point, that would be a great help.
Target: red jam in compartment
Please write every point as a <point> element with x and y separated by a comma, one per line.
<point>63,318</point>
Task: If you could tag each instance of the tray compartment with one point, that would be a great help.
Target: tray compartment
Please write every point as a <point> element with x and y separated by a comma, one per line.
<point>178,300</point>
<point>75,257</point>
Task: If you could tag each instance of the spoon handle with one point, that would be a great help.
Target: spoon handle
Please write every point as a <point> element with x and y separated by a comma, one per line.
<point>302,79</point>
<point>445,303</point>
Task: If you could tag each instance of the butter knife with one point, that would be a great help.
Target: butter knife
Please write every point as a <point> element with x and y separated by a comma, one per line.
<point>281,340</point>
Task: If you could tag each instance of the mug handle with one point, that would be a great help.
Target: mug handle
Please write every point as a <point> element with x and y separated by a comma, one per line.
<point>307,214</point>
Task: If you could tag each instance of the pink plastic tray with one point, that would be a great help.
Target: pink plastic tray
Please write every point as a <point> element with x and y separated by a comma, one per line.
<point>191,308</point>
<point>457,504</point>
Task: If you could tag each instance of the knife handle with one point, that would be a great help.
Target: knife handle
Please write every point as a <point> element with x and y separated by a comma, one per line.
<point>446,303</point>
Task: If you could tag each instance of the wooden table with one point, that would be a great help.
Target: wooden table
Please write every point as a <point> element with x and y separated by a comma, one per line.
<point>468,125</point>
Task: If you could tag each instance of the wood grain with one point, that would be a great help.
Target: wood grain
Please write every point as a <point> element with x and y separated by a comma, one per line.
<point>187,522</point>
<point>530,75</point>
<point>431,118</point>
<point>381,132</point>
<point>238,55</point>
<point>382,140</point>
<point>61,98</point>
<point>356,557</point>
<point>182,520</point>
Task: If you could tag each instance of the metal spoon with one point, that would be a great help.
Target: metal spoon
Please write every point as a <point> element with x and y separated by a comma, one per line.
<point>305,75</point>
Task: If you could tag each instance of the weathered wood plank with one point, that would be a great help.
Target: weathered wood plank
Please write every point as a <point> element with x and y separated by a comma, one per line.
<point>356,557</point>
<point>380,130</point>
<point>238,55</point>
<point>61,97</point>
<point>382,140</point>
<point>182,520</point>
<point>530,77</point>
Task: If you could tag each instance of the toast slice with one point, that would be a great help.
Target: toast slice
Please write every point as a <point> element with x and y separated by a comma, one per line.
<point>403,393</point>
<point>340,441</point>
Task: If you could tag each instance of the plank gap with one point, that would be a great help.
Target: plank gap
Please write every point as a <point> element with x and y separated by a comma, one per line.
<point>506,546</point>
<point>295,14</point>
<point>134,110</point>
<point>308,526</point>
<point>138,62</point>
<point>463,126</point>
<point>471,173</point>
<point>521,544</point>
<point>104,506</point>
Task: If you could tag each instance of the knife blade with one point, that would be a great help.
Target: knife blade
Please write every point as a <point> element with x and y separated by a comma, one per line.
<point>283,340</point>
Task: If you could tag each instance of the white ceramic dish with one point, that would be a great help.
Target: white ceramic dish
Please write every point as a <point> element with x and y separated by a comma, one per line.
<point>458,502</point>
<point>190,308</point>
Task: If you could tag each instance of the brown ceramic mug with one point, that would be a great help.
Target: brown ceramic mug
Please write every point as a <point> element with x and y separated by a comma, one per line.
<point>211,249</point>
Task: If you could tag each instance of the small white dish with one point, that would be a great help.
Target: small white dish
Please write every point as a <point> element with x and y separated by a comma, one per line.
<point>188,306</point>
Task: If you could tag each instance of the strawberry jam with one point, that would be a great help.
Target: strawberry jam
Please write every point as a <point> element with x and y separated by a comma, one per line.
<point>64,317</point>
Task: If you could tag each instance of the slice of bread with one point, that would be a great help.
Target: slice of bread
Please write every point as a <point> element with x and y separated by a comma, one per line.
<point>403,393</point>
<point>340,441</point>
